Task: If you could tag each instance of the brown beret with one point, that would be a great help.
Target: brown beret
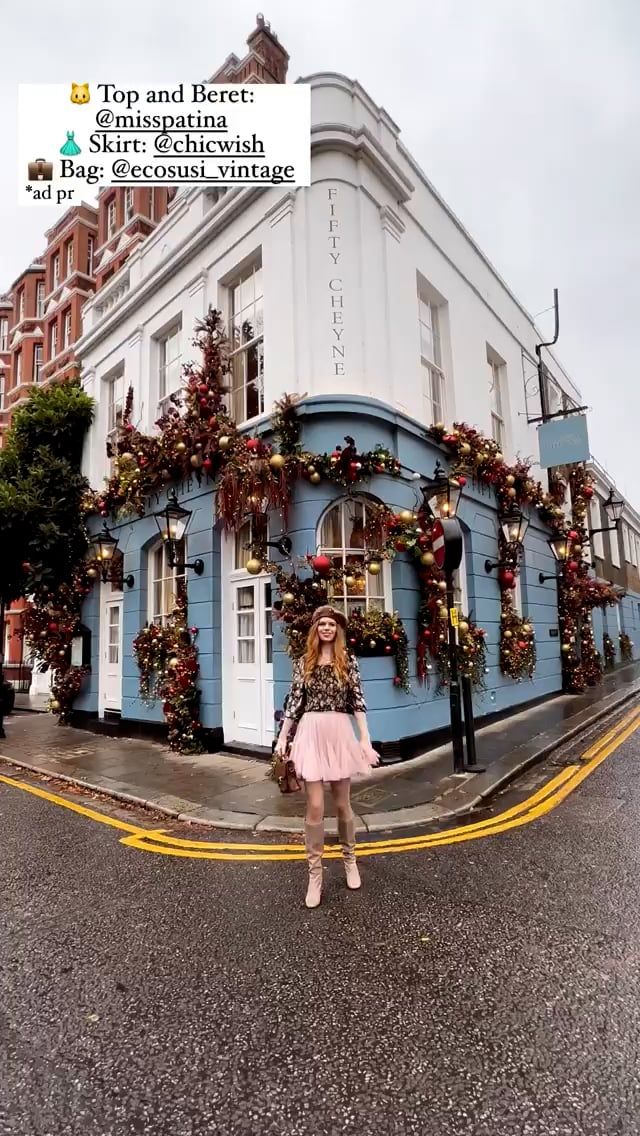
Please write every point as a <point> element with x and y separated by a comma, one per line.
<point>328,612</point>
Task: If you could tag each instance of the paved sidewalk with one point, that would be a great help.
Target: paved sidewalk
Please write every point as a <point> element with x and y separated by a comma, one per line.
<point>227,791</point>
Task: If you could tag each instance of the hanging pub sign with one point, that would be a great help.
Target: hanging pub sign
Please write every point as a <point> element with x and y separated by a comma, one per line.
<point>564,441</point>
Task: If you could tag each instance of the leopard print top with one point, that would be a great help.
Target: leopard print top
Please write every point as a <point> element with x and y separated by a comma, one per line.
<point>324,692</point>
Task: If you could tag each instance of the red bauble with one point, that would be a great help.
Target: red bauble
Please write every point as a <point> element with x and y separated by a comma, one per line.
<point>572,535</point>
<point>588,491</point>
<point>521,644</point>
<point>26,567</point>
<point>213,422</point>
<point>53,627</point>
<point>203,388</point>
<point>395,636</point>
<point>397,681</point>
<point>462,481</point>
<point>400,546</point>
<point>207,464</point>
<point>337,454</point>
<point>204,402</point>
<point>572,566</point>
<point>352,642</point>
<point>507,578</point>
<point>129,427</point>
<point>321,564</point>
<point>426,634</point>
<point>253,445</point>
<point>423,540</point>
<point>388,649</point>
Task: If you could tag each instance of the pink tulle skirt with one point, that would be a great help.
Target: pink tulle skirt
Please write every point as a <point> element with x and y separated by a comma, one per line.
<point>325,748</point>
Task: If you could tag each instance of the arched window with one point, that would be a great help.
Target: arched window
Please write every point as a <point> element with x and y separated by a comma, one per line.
<point>163,581</point>
<point>342,538</point>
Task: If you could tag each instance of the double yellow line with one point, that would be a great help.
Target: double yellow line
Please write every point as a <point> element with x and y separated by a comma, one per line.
<point>538,805</point>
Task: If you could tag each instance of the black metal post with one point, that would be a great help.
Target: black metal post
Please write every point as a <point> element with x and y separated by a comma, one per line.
<point>454,685</point>
<point>469,727</point>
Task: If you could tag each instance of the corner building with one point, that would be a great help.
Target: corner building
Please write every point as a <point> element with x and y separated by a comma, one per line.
<point>366,296</point>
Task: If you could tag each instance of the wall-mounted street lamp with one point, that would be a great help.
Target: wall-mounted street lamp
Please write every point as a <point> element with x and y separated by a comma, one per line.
<point>173,522</point>
<point>613,507</point>
<point>441,495</point>
<point>514,526</point>
<point>559,546</point>
<point>106,547</point>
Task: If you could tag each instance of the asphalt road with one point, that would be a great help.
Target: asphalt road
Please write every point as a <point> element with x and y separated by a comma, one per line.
<point>479,989</point>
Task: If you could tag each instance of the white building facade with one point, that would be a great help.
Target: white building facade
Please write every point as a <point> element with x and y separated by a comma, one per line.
<point>365,295</point>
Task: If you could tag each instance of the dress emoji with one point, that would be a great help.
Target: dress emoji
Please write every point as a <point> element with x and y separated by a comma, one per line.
<point>325,747</point>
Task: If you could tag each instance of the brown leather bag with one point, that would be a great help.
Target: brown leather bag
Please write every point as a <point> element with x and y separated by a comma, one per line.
<point>284,772</point>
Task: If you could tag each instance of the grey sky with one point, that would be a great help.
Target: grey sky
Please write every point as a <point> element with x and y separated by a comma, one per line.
<point>525,116</point>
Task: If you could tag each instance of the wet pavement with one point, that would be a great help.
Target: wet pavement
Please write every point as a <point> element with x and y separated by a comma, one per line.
<point>474,989</point>
<point>228,790</point>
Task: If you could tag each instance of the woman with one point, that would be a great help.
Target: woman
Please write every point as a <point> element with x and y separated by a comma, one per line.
<point>325,690</point>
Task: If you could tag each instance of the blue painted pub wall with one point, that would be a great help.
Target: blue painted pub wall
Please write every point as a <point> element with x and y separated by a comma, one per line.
<point>393,713</point>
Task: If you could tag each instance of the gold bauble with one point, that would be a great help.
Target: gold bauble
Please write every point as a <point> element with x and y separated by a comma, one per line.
<point>527,628</point>
<point>55,705</point>
<point>181,447</point>
<point>439,426</point>
<point>92,574</point>
<point>566,648</point>
<point>374,568</point>
<point>173,661</point>
<point>315,478</point>
<point>442,585</point>
<point>427,559</point>
<point>349,581</point>
<point>464,627</point>
<point>508,634</point>
<point>511,492</point>
<point>406,516</point>
<point>510,479</point>
<point>498,457</point>
<point>253,566</point>
<point>465,448</point>
<point>372,643</point>
<point>288,598</point>
<point>126,457</point>
<point>277,461</point>
<point>224,441</point>
<point>196,460</point>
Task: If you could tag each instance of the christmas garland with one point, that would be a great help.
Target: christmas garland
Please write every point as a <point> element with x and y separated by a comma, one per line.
<point>167,659</point>
<point>626,648</point>
<point>370,633</point>
<point>517,646</point>
<point>609,652</point>
<point>51,621</point>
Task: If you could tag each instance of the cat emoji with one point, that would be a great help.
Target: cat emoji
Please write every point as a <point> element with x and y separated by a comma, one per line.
<point>80,93</point>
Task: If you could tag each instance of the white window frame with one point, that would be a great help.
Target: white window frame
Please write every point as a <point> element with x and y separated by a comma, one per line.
<point>91,244</point>
<point>170,380</point>
<point>614,546</point>
<point>112,218</point>
<point>55,271</point>
<point>1,390</point>
<point>626,541</point>
<point>128,204</point>
<point>18,367</point>
<point>4,333</point>
<point>21,305</point>
<point>66,329</point>
<point>595,522</point>
<point>37,362</point>
<point>242,351</point>
<point>368,599</point>
<point>496,396</point>
<point>53,338</point>
<point>243,543</point>
<point>40,294</point>
<point>168,578</point>
<point>434,385</point>
<point>69,251</point>
<point>115,405</point>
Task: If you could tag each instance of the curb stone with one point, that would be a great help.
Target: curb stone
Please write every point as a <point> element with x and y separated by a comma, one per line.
<point>194,813</point>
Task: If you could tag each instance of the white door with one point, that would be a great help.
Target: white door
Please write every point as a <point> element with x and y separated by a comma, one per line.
<point>111,656</point>
<point>252,662</point>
